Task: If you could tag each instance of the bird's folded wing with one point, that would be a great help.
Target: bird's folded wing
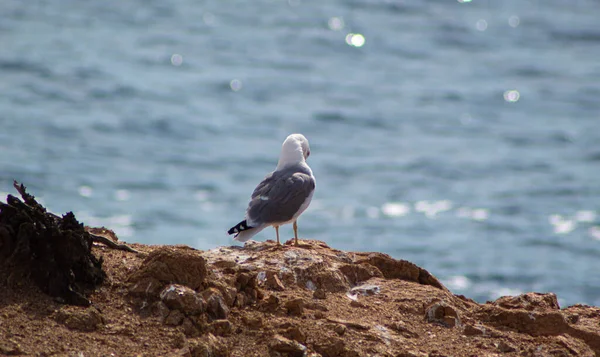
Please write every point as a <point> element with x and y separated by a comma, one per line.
<point>279,197</point>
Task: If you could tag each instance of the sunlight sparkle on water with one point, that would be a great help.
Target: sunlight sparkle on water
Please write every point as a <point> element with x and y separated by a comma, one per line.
<point>235,85</point>
<point>594,232</point>
<point>176,60</point>
<point>480,214</point>
<point>585,216</point>
<point>512,96</point>
<point>395,209</point>
<point>355,39</point>
<point>481,25</point>
<point>85,191</point>
<point>122,195</point>
<point>457,282</point>
<point>201,195</point>
<point>335,23</point>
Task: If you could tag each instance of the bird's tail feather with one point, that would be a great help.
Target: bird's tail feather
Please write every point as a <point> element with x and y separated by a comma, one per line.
<point>243,231</point>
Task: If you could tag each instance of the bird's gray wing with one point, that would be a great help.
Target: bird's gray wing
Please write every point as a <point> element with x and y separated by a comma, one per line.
<point>279,196</point>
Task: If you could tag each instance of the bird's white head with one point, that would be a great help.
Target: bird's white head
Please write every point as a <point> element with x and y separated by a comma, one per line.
<point>295,149</point>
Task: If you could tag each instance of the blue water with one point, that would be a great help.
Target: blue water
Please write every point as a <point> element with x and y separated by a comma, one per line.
<point>462,136</point>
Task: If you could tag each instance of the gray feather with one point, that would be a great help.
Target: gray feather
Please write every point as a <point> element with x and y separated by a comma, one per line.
<point>280,195</point>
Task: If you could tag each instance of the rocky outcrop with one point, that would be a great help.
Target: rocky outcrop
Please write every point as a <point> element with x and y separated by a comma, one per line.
<point>268,300</point>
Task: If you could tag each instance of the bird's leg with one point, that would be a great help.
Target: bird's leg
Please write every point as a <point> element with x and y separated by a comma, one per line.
<point>277,231</point>
<point>295,233</point>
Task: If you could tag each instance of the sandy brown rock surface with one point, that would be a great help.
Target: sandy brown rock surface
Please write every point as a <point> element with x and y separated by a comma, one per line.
<point>264,300</point>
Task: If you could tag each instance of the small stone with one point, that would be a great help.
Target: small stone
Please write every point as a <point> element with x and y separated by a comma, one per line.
<point>316,306</point>
<point>274,283</point>
<point>10,348</point>
<point>366,290</point>
<point>242,281</point>
<point>189,328</point>
<point>340,329</point>
<point>412,354</point>
<point>227,292</point>
<point>401,328</point>
<point>215,304</point>
<point>295,307</point>
<point>505,347</point>
<point>330,347</point>
<point>271,304</point>
<point>281,346</point>
<point>473,330</point>
<point>209,346</point>
<point>319,294</point>
<point>253,322</point>
<point>319,315</point>
<point>175,318</point>
<point>221,327</point>
<point>182,298</point>
<point>160,310</point>
<point>86,320</point>
<point>573,318</point>
<point>295,333</point>
<point>178,340</point>
<point>356,303</point>
<point>442,313</point>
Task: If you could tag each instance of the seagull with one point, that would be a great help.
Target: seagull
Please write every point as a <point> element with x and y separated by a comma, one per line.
<point>283,195</point>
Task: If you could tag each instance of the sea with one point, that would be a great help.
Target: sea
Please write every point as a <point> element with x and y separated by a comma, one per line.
<point>463,136</point>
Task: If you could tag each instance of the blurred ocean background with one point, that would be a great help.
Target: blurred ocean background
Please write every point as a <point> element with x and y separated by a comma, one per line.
<point>463,136</point>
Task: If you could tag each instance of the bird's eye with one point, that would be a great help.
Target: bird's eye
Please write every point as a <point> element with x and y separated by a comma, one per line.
<point>308,153</point>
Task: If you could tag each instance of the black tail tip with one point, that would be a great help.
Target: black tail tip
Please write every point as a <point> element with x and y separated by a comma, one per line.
<point>242,226</point>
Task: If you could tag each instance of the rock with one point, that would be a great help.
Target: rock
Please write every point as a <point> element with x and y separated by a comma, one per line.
<point>552,322</point>
<point>160,310</point>
<point>167,265</point>
<point>273,282</point>
<point>182,298</point>
<point>319,294</point>
<point>228,292</point>
<point>85,320</point>
<point>505,347</point>
<point>293,333</point>
<point>330,347</point>
<point>401,328</point>
<point>471,330</point>
<point>320,275</point>
<point>215,304</point>
<point>401,269</point>
<point>573,318</point>
<point>412,353</point>
<point>220,327</point>
<point>442,313</point>
<point>271,304</point>
<point>316,306</point>
<point>295,307</point>
<point>10,348</point>
<point>281,346</point>
<point>208,346</point>
<point>529,302</point>
<point>340,329</point>
<point>351,324</point>
<point>356,273</point>
<point>365,290</point>
<point>189,328</point>
<point>254,322</point>
<point>174,318</point>
<point>356,303</point>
